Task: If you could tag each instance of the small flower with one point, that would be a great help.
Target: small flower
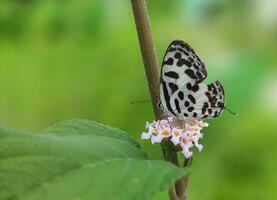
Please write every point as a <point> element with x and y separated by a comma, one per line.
<point>198,146</point>
<point>176,135</point>
<point>162,132</point>
<point>184,133</point>
<point>145,136</point>
<point>152,130</point>
<point>202,124</point>
<point>185,149</point>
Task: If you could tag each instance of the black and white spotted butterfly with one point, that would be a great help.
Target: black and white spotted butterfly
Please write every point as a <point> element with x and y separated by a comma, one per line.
<point>182,91</point>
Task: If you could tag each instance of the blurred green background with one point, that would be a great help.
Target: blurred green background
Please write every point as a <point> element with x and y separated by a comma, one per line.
<point>64,59</point>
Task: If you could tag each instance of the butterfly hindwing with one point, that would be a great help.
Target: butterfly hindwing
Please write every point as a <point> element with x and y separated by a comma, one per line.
<point>182,92</point>
<point>206,102</point>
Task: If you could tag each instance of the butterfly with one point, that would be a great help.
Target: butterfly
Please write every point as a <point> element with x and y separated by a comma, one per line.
<point>182,91</point>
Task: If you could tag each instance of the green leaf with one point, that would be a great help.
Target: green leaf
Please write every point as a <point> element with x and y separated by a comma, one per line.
<point>115,179</point>
<point>84,127</point>
<point>78,165</point>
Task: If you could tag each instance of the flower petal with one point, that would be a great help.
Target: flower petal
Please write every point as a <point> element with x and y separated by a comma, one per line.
<point>185,133</point>
<point>156,139</point>
<point>146,136</point>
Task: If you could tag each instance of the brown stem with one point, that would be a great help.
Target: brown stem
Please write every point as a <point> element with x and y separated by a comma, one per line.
<point>182,184</point>
<point>148,53</point>
<point>179,189</point>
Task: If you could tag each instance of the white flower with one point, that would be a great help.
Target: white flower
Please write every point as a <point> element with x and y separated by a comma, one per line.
<point>146,136</point>
<point>186,144</point>
<point>176,135</point>
<point>184,133</point>
<point>163,132</point>
<point>152,130</point>
<point>202,124</point>
<point>195,141</point>
<point>186,152</point>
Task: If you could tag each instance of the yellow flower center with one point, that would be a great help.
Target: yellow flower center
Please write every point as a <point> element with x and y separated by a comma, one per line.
<point>165,132</point>
<point>155,132</point>
<point>176,133</point>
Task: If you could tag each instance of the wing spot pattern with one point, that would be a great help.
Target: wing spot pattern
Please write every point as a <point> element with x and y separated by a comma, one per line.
<point>173,87</point>
<point>177,55</point>
<point>177,105</point>
<point>169,61</point>
<point>194,88</point>
<point>181,95</point>
<point>190,73</point>
<point>191,98</point>
<point>190,109</point>
<point>172,74</point>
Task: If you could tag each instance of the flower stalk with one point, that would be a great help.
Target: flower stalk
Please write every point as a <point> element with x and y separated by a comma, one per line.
<point>148,53</point>
<point>179,190</point>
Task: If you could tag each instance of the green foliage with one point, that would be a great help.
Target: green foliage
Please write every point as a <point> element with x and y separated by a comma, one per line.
<point>85,127</point>
<point>79,159</point>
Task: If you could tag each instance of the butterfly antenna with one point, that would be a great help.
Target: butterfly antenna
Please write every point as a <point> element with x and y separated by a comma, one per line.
<point>233,113</point>
<point>143,101</point>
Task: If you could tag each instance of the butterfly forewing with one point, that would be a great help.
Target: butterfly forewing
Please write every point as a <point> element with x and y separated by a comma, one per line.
<point>182,92</point>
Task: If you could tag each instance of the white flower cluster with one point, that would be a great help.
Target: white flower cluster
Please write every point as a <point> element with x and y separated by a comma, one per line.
<point>184,133</point>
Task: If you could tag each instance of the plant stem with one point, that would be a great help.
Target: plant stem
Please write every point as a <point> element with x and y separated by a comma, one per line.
<point>179,190</point>
<point>148,53</point>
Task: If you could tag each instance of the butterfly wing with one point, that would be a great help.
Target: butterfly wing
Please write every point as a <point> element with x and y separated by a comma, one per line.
<point>206,102</point>
<point>182,92</point>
